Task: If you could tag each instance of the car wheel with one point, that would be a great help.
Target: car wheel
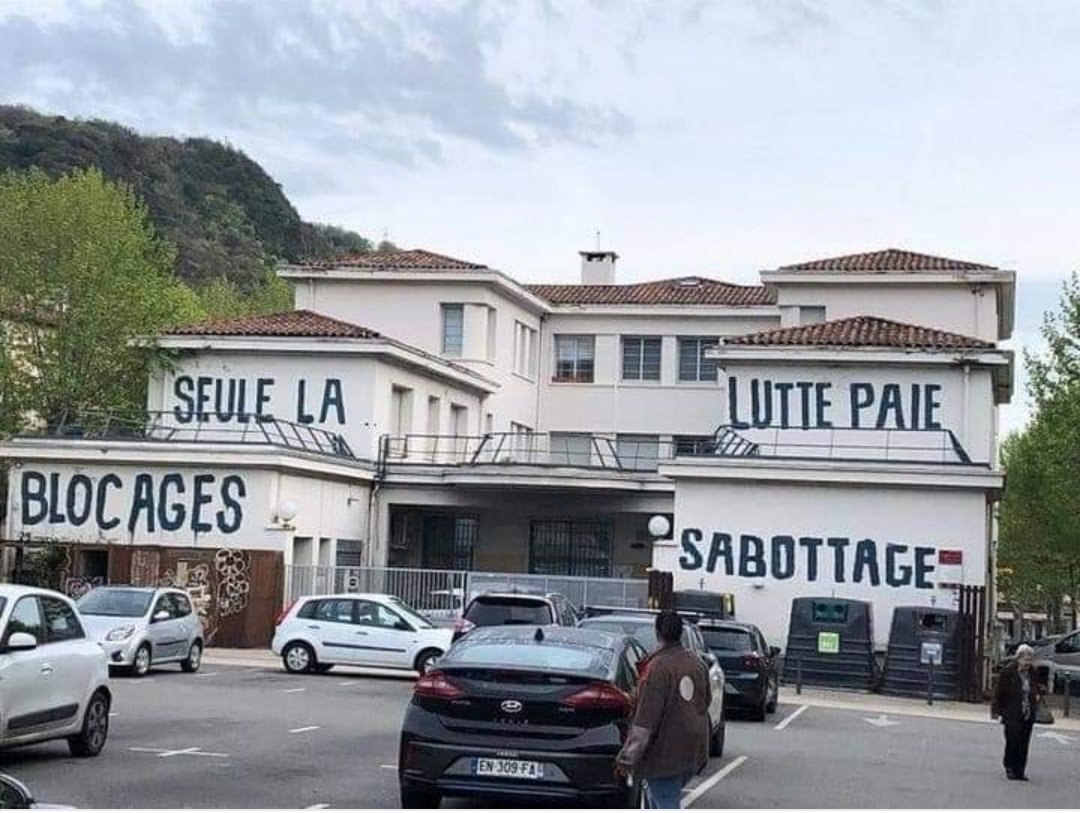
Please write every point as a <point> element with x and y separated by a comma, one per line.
<point>426,660</point>
<point>95,728</point>
<point>298,657</point>
<point>631,798</point>
<point>323,668</point>
<point>141,665</point>
<point>716,742</point>
<point>774,696</point>
<point>194,658</point>
<point>413,798</point>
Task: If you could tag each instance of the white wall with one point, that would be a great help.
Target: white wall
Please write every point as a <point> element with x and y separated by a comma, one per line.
<point>158,505</point>
<point>930,518</point>
<point>966,401</point>
<point>388,376</point>
<point>411,313</point>
<point>611,405</point>
<point>952,307</point>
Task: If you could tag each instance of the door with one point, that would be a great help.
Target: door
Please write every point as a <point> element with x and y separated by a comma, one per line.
<point>73,658</point>
<point>386,639</point>
<point>166,633</point>
<point>332,624</point>
<point>187,620</point>
<point>25,677</point>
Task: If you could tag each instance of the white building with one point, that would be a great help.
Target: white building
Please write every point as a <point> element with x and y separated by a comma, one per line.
<point>832,431</point>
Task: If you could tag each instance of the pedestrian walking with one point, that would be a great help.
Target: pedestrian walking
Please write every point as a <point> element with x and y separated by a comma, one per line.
<point>1016,698</point>
<point>669,739</point>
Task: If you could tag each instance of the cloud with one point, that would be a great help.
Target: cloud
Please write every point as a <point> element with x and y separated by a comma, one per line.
<point>396,83</point>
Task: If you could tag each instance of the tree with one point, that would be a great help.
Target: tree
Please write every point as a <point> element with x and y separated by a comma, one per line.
<point>1040,511</point>
<point>83,275</point>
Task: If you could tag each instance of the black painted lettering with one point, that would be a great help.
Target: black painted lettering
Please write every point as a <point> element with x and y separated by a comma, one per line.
<point>171,515</point>
<point>56,516</point>
<point>822,404</point>
<point>182,389</point>
<point>35,505</point>
<point>79,505</point>
<point>691,556</point>
<point>862,396</point>
<point>915,410</point>
<point>923,568</point>
<point>333,397</point>
<point>142,501</point>
<point>202,398</point>
<point>231,516</point>
<point>760,403</point>
<point>932,405</point>
<point>866,560</point>
<point>811,544</point>
<point>302,415</point>
<point>102,500</point>
<point>891,402</point>
<point>896,575</point>
<point>262,396</point>
<point>805,389</point>
<point>201,498</point>
<point>783,557</point>
<point>733,404</point>
<point>783,395</point>
<point>751,556</point>
<point>839,545</point>
<point>720,548</point>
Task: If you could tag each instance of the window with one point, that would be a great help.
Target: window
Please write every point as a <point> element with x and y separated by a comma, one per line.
<point>373,614</point>
<point>574,358</point>
<point>164,602</point>
<point>453,330</point>
<point>400,420</point>
<point>641,358</point>
<point>183,605</point>
<point>61,623</point>
<point>492,336</point>
<point>640,452</point>
<point>1066,646</point>
<point>447,542</point>
<point>525,348</point>
<point>459,420</point>
<point>690,445</point>
<point>693,366</point>
<point>335,610</point>
<point>570,450</point>
<point>811,314</point>
<point>726,638</point>
<point>570,547</point>
<point>350,551</point>
<point>25,617</point>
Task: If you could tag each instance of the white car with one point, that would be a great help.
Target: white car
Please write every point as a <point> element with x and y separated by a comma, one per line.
<point>317,632</point>
<point>54,678</point>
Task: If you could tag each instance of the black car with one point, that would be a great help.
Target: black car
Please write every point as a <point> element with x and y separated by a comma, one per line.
<point>522,712</point>
<point>503,608</point>
<point>752,679</point>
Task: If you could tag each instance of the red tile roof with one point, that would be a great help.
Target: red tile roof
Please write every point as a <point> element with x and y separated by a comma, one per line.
<point>678,291</point>
<point>861,331</point>
<point>406,260</point>
<point>300,323</point>
<point>891,259</point>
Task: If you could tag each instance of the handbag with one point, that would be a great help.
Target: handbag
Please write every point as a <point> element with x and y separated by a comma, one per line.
<point>1043,715</point>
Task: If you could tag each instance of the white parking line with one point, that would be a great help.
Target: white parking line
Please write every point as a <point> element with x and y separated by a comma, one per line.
<point>304,728</point>
<point>693,795</point>
<point>320,806</point>
<point>790,718</point>
<point>206,674</point>
<point>348,683</point>
<point>175,752</point>
<point>388,767</point>
<point>293,691</point>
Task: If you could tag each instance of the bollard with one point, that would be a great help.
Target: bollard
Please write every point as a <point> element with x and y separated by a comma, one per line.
<point>930,688</point>
<point>798,675</point>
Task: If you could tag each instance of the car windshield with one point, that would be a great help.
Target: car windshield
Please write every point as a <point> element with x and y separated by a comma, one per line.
<point>119,603</point>
<point>418,619</point>
<point>732,640</point>
<point>496,611</point>
<point>561,657</point>
<point>643,631</point>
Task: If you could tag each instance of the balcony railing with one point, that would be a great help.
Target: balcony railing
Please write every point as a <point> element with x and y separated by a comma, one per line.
<point>588,451</point>
<point>164,427</point>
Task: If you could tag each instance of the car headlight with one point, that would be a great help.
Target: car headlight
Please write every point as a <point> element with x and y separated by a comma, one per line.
<point>120,633</point>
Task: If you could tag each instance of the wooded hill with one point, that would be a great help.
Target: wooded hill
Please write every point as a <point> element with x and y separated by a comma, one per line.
<point>227,217</point>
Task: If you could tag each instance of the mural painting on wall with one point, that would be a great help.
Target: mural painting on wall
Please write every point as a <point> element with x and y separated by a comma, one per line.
<point>218,589</point>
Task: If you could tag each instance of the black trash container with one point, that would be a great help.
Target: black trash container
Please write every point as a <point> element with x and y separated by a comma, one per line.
<point>833,639</point>
<point>917,635</point>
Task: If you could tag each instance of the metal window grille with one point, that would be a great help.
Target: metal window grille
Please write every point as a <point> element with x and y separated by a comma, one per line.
<point>641,358</point>
<point>448,542</point>
<point>570,547</point>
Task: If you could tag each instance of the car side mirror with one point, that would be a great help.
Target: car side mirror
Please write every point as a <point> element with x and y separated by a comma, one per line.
<point>774,651</point>
<point>14,795</point>
<point>403,626</point>
<point>21,642</point>
<point>161,615</point>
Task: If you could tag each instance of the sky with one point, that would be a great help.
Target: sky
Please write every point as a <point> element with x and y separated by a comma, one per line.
<point>708,138</point>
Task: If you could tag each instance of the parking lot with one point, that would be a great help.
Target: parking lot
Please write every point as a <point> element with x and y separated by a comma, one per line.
<point>235,736</point>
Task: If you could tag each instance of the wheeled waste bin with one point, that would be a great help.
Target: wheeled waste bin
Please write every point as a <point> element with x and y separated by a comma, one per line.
<point>831,640</point>
<point>918,636</point>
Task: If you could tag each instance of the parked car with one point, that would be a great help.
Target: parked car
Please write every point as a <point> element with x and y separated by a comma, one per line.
<point>523,712</point>
<point>1057,654</point>
<point>753,681</point>
<point>315,633</point>
<point>140,627</point>
<point>641,625</point>
<point>502,608</point>
<point>54,678</point>
<point>14,795</point>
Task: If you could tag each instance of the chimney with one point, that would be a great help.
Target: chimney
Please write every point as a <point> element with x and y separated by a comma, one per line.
<point>598,267</point>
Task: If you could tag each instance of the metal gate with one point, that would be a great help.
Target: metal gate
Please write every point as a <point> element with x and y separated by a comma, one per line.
<point>973,666</point>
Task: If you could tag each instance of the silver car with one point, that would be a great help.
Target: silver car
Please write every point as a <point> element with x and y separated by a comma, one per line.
<point>144,626</point>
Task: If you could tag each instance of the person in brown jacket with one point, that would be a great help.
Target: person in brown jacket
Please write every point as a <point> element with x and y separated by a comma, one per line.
<point>669,739</point>
<point>1015,698</point>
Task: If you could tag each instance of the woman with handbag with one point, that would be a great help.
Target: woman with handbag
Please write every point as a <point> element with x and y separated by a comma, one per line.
<point>1017,698</point>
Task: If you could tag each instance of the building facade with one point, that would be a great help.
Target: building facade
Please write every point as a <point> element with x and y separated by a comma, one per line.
<point>831,431</point>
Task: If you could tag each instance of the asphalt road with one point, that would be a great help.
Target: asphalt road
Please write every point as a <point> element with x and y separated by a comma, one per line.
<point>238,737</point>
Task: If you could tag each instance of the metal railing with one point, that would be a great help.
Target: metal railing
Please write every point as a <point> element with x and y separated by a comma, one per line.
<point>199,427</point>
<point>844,443</point>
<point>444,593</point>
